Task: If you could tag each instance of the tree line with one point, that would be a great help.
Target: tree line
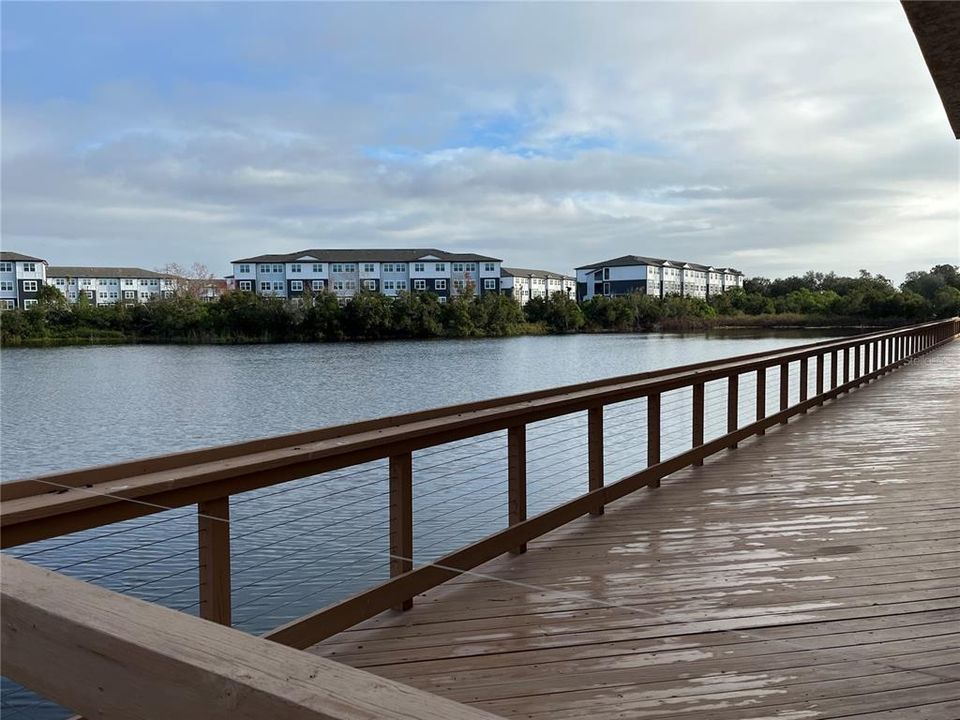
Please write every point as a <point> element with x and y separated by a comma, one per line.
<point>810,299</point>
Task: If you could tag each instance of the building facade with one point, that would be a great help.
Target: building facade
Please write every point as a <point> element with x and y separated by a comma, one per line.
<point>656,277</point>
<point>110,285</point>
<point>21,277</point>
<point>524,285</point>
<point>347,272</point>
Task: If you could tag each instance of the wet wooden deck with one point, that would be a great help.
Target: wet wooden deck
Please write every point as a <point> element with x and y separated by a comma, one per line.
<point>813,573</point>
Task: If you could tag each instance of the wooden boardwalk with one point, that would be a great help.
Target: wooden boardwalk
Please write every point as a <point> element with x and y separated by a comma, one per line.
<point>812,573</point>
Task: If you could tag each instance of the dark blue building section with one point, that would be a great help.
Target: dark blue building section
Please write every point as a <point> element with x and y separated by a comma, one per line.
<point>484,290</point>
<point>24,294</point>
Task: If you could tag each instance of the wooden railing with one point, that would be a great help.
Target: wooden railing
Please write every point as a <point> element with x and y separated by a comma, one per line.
<point>115,657</point>
<point>52,505</point>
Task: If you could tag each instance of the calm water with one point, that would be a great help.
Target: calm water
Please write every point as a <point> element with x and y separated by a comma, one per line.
<point>304,544</point>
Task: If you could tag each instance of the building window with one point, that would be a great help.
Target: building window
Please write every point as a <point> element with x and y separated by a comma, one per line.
<point>419,284</point>
<point>6,267</point>
<point>370,284</point>
<point>401,284</point>
<point>368,267</point>
<point>128,294</point>
<point>470,267</point>
<point>29,285</point>
<point>113,294</point>
<point>29,267</point>
<point>29,303</point>
<point>489,267</point>
<point>606,273</point>
<point>459,285</point>
<point>6,285</point>
<point>490,284</point>
<point>264,287</point>
<point>337,284</point>
<point>318,267</point>
<point>295,268</point>
<point>418,267</point>
<point>264,268</point>
<point>442,298</point>
<point>7,304</point>
<point>388,267</point>
<point>245,285</point>
<point>243,268</point>
<point>389,285</point>
<point>458,267</point>
<point>317,284</point>
<point>440,267</point>
<point>401,267</point>
<point>351,284</point>
<point>440,285</point>
<point>278,286</point>
<point>336,267</point>
<point>296,285</point>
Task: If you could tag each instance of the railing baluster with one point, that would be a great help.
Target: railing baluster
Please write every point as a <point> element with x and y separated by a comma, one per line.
<point>401,519</point>
<point>856,364</point>
<point>213,535</point>
<point>595,452</point>
<point>697,429</point>
<point>834,357</point>
<point>761,396</point>
<point>517,478</point>
<point>784,389</point>
<point>820,374</point>
<point>733,399</point>
<point>846,366</point>
<point>804,381</point>
<point>653,432</point>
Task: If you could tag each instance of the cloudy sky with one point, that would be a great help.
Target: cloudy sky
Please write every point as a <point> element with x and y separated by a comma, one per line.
<point>768,136</point>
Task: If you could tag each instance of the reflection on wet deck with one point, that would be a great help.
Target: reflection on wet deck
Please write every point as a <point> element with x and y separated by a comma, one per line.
<point>813,573</point>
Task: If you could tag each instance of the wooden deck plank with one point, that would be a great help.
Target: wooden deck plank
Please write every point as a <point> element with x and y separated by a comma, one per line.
<point>812,573</point>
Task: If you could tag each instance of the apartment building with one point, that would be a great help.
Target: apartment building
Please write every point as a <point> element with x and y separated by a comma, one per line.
<point>347,272</point>
<point>110,285</point>
<point>656,277</point>
<point>524,285</point>
<point>20,279</point>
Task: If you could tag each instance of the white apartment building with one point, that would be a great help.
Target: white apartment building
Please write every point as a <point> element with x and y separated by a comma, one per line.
<point>656,277</point>
<point>20,279</point>
<point>347,272</point>
<point>110,285</point>
<point>524,285</point>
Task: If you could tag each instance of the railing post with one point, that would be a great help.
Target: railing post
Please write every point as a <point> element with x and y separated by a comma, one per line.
<point>213,534</point>
<point>846,366</point>
<point>820,374</point>
<point>761,397</point>
<point>653,432</point>
<point>401,519</point>
<point>834,356</point>
<point>595,452</point>
<point>517,478</point>
<point>697,429</point>
<point>804,382</point>
<point>733,400</point>
<point>784,389</point>
<point>856,364</point>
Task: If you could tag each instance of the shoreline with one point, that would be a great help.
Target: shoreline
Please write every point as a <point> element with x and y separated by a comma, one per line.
<point>671,326</point>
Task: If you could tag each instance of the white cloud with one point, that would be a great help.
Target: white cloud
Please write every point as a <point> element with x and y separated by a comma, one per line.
<point>772,137</point>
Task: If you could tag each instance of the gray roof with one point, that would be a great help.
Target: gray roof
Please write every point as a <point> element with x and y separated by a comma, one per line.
<point>18,257</point>
<point>103,272</point>
<point>625,260</point>
<point>390,255</point>
<point>524,272</point>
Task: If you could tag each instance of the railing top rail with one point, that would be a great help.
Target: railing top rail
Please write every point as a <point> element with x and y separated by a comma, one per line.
<point>286,457</point>
<point>110,655</point>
